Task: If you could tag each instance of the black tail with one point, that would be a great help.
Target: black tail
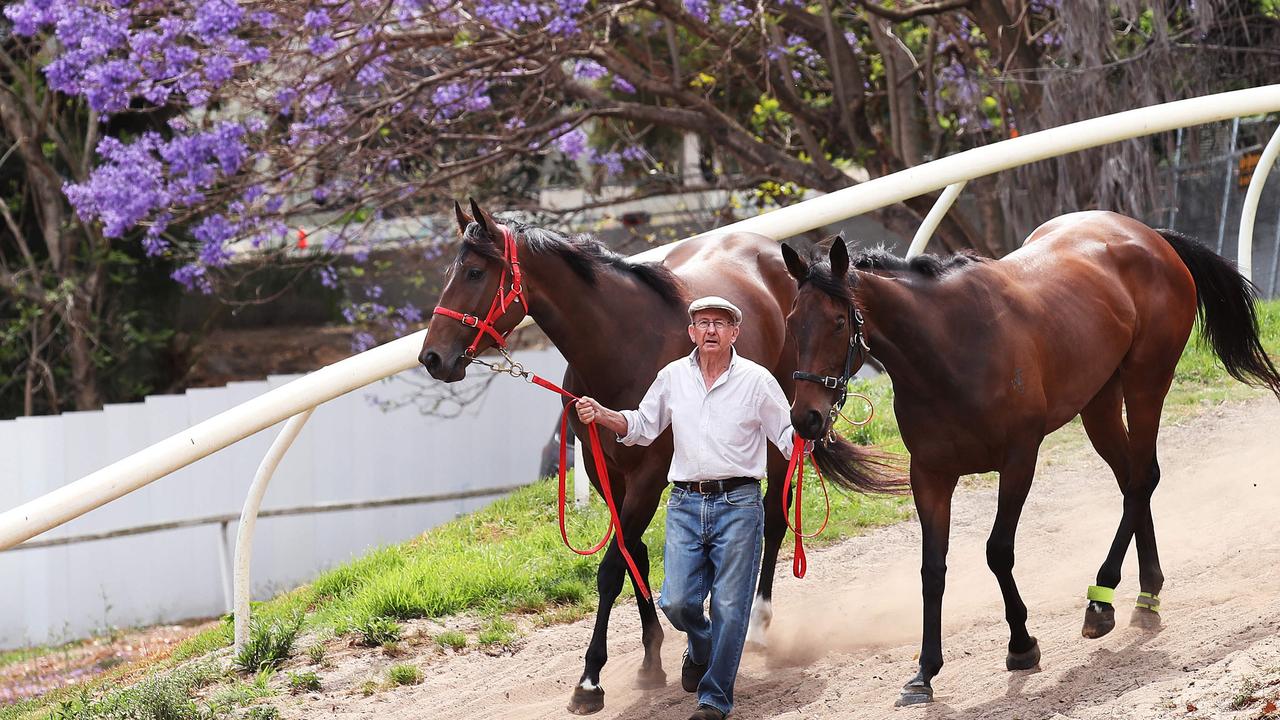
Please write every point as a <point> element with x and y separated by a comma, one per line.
<point>859,467</point>
<point>1228,316</point>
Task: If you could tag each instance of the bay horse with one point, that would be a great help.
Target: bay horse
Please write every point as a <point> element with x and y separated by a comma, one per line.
<point>1089,317</point>
<point>617,323</point>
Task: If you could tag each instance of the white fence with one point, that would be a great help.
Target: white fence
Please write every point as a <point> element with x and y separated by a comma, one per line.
<point>349,451</point>
<point>181,449</point>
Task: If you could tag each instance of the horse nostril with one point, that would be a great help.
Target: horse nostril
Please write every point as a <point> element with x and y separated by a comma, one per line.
<point>813,423</point>
<point>430,359</point>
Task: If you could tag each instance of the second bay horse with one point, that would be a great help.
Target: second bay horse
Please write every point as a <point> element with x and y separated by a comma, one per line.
<point>1089,317</point>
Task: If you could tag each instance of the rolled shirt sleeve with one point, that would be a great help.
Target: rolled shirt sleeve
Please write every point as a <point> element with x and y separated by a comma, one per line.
<point>647,422</point>
<point>775,413</point>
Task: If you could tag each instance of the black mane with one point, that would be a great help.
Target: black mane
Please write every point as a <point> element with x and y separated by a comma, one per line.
<point>932,267</point>
<point>585,255</point>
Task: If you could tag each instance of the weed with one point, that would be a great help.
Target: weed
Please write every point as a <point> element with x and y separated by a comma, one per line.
<point>263,712</point>
<point>451,639</point>
<point>162,697</point>
<point>315,653</point>
<point>404,675</point>
<point>1245,697</point>
<point>303,682</point>
<point>378,631</point>
<point>499,632</point>
<point>269,644</point>
<point>392,649</point>
<point>368,688</point>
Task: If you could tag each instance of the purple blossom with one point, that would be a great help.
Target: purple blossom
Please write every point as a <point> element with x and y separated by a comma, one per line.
<point>587,69</point>
<point>572,143</point>
<point>700,9</point>
<point>215,18</point>
<point>734,13</point>
<point>622,86</point>
<point>316,20</point>
<point>193,277</point>
<point>610,161</point>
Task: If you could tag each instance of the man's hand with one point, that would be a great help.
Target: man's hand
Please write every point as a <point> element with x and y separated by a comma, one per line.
<point>591,411</point>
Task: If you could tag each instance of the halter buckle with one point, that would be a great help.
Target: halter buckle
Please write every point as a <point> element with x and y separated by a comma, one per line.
<point>470,320</point>
<point>831,383</point>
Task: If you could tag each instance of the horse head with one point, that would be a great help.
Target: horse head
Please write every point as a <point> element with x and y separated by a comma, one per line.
<point>825,327</point>
<point>483,298</point>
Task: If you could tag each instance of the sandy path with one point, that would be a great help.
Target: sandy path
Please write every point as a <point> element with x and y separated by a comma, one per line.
<point>844,638</point>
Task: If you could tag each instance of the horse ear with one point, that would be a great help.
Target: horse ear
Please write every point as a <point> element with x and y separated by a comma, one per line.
<point>839,257</point>
<point>487,223</point>
<point>463,218</point>
<point>798,268</point>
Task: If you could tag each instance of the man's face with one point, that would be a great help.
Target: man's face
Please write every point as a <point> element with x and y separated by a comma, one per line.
<point>713,331</point>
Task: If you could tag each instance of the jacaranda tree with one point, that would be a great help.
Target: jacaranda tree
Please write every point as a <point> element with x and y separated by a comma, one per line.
<point>353,113</point>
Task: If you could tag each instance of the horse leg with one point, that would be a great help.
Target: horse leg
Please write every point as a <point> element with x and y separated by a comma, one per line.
<point>932,492</point>
<point>1104,424</point>
<point>588,696</point>
<point>636,510</point>
<point>635,520</point>
<point>775,530</point>
<point>1144,407</point>
<point>1015,483</point>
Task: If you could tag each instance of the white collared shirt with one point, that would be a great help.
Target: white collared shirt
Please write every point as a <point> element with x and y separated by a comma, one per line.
<point>719,433</point>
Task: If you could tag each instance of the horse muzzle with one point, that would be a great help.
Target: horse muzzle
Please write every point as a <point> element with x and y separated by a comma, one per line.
<point>810,424</point>
<point>439,369</point>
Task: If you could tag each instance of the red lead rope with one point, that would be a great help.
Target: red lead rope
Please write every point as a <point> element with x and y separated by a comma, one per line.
<point>799,565</point>
<point>602,472</point>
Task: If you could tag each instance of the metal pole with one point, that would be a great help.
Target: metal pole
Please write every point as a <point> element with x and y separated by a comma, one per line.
<point>1226,185</point>
<point>581,480</point>
<point>249,518</point>
<point>224,565</point>
<point>934,218</point>
<point>1275,257</point>
<point>1177,163</point>
<point>1249,213</point>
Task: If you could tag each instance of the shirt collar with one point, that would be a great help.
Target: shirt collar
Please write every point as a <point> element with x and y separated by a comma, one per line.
<point>733,357</point>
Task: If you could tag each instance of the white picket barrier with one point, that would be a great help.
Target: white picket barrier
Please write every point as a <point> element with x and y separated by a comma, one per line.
<point>304,394</point>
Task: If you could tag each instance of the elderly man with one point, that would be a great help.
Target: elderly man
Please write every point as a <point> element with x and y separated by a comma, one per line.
<point>722,408</point>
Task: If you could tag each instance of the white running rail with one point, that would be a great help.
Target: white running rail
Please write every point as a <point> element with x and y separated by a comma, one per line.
<point>303,395</point>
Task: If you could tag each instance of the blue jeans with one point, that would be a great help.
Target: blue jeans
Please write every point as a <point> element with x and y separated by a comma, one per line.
<point>713,546</point>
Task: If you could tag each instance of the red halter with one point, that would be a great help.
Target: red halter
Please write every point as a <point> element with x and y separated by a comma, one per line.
<point>501,300</point>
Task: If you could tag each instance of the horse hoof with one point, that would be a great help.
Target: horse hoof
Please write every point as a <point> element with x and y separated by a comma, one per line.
<point>651,679</point>
<point>1099,619</point>
<point>1024,660</point>
<point>915,693</point>
<point>1145,619</point>
<point>586,702</point>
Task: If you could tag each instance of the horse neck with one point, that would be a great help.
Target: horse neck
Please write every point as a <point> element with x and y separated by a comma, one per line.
<point>905,331</point>
<point>609,333</point>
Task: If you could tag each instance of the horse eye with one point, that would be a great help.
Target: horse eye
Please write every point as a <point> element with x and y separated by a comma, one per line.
<point>840,322</point>
<point>474,273</point>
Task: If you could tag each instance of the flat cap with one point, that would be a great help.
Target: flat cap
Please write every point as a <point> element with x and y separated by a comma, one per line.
<point>715,302</point>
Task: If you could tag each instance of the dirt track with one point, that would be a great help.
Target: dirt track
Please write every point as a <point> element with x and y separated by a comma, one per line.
<point>844,639</point>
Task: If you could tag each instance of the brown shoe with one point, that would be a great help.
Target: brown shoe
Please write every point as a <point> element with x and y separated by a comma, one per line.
<point>691,674</point>
<point>706,712</point>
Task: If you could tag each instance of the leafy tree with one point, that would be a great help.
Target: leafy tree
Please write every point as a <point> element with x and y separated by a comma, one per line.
<point>362,114</point>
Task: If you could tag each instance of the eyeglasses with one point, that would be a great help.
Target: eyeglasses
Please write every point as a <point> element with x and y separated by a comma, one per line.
<point>717,324</point>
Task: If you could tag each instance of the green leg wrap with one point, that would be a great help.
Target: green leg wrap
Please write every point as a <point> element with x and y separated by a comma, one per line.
<point>1098,593</point>
<point>1149,601</point>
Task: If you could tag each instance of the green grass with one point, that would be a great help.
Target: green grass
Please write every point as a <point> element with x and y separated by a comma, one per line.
<point>269,644</point>
<point>301,682</point>
<point>376,631</point>
<point>499,631</point>
<point>404,675</point>
<point>508,557</point>
<point>451,639</point>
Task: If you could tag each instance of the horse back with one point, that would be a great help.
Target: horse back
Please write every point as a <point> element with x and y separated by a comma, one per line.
<point>748,270</point>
